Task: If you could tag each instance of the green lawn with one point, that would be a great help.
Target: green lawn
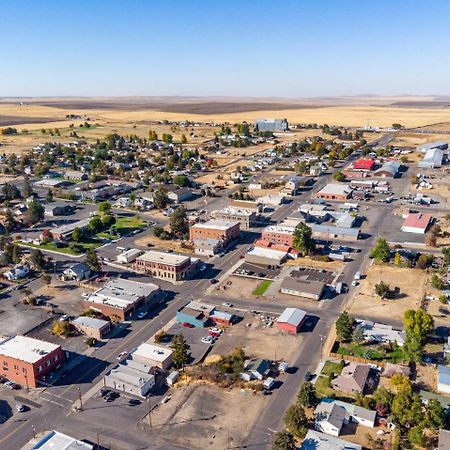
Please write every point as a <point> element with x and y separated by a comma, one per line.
<point>372,352</point>
<point>262,287</point>
<point>323,388</point>
<point>331,368</point>
<point>84,246</point>
<point>123,225</point>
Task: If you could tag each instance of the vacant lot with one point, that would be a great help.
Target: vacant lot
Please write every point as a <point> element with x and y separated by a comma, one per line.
<point>367,304</point>
<point>206,416</point>
<point>257,341</point>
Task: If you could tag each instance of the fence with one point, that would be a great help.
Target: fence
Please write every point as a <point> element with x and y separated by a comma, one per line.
<point>357,359</point>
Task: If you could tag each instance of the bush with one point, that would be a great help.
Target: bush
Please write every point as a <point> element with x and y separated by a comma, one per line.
<point>90,341</point>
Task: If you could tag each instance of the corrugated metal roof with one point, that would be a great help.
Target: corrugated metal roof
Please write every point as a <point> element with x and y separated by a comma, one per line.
<point>293,316</point>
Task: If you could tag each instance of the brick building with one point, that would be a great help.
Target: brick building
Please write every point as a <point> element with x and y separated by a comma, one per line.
<point>278,234</point>
<point>226,231</point>
<point>165,266</point>
<point>24,360</point>
<point>334,191</point>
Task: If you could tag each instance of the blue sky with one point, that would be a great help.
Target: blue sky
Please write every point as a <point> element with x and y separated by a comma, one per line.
<point>230,47</point>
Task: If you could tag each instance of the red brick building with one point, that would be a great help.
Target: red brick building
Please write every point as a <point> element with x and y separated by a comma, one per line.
<point>25,360</point>
<point>291,320</point>
<point>278,234</point>
<point>224,230</point>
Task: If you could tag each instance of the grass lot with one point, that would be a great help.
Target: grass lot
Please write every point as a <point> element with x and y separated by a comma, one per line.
<point>65,250</point>
<point>331,368</point>
<point>262,287</point>
<point>375,353</point>
<point>123,225</point>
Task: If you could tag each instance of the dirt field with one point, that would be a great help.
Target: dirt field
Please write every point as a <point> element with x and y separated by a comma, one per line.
<point>257,342</point>
<point>206,416</point>
<point>414,140</point>
<point>333,266</point>
<point>346,113</point>
<point>411,283</point>
<point>240,287</point>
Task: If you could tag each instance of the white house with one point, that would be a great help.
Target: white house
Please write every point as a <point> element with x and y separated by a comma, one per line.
<point>17,273</point>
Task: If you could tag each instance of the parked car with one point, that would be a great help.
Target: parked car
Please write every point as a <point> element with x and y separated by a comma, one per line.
<point>64,318</point>
<point>308,376</point>
<point>111,396</point>
<point>104,391</point>
<point>11,385</point>
<point>214,280</point>
<point>229,305</point>
<point>187,325</point>
<point>208,340</point>
<point>121,355</point>
<point>20,407</point>
<point>134,402</point>
<point>215,330</point>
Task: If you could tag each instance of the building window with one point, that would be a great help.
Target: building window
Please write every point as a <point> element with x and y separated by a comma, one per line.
<point>40,369</point>
<point>56,357</point>
<point>48,363</point>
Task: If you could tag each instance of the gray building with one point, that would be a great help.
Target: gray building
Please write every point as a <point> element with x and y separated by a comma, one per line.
<point>273,125</point>
<point>334,232</point>
<point>302,288</point>
<point>246,217</point>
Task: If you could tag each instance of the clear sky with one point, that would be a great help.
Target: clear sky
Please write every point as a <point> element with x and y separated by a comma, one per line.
<point>290,48</point>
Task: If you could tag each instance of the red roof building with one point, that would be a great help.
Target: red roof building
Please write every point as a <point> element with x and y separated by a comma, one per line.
<point>416,223</point>
<point>364,164</point>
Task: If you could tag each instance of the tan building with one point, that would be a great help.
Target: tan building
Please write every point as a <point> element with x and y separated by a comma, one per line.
<point>245,217</point>
<point>92,327</point>
<point>171,267</point>
<point>223,230</point>
<point>153,355</point>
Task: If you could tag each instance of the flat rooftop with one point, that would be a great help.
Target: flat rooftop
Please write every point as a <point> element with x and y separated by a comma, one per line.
<point>229,210</point>
<point>336,189</point>
<point>166,258</point>
<point>54,440</point>
<point>153,352</point>
<point>279,229</point>
<point>216,224</point>
<point>130,375</point>
<point>121,293</point>
<point>26,349</point>
<point>91,322</point>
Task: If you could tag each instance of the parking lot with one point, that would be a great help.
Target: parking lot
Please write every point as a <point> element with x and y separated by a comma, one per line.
<point>193,337</point>
<point>309,273</point>
<point>257,271</point>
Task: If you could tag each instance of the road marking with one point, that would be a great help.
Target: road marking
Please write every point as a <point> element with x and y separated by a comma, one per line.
<point>52,401</point>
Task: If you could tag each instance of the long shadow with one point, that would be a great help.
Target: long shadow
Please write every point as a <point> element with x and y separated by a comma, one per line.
<point>309,324</point>
<point>6,411</point>
<point>88,369</point>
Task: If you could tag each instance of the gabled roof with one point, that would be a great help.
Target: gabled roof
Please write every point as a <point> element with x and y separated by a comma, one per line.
<point>293,316</point>
<point>417,220</point>
<point>364,164</point>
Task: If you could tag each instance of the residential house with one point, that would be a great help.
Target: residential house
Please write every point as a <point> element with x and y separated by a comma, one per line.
<point>315,440</point>
<point>256,369</point>
<point>352,379</point>
<point>17,273</point>
<point>79,271</point>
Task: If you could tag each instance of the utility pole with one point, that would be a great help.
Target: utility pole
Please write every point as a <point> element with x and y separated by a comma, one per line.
<point>80,399</point>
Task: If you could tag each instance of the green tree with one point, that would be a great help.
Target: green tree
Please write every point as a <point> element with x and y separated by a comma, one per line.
<point>418,323</point>
<point>37,259</point>
<point>179,223</point>
<point>181,351</point>
<point>183,139</point>
<point>358,335</point>
<point>382,289</point>
<point>339,176</point>
<point>307,394</point>
<point>76,235</point>
<point>160,198</point>
<point>381,252</point>
<point>446,253</point>
<point>95,224</point>
<point>284,440</point>
<point>108,220</point>
<point>49,196</point>
<point>344,327</point>
<point>424,261</point>
<point>92,260</point>
<point>35,212</point>
<point>104,208</point>
<point>16,254</point>
<point>27,192</point>
<point>398,260</point>
<point>10,223</point>
<point>296,420</point>
<point>303,240</point>
<point>416,436</point>
<point>437,282</point>
<point>181,180</point>
<point>383,401</point>
<point>434,415</point>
